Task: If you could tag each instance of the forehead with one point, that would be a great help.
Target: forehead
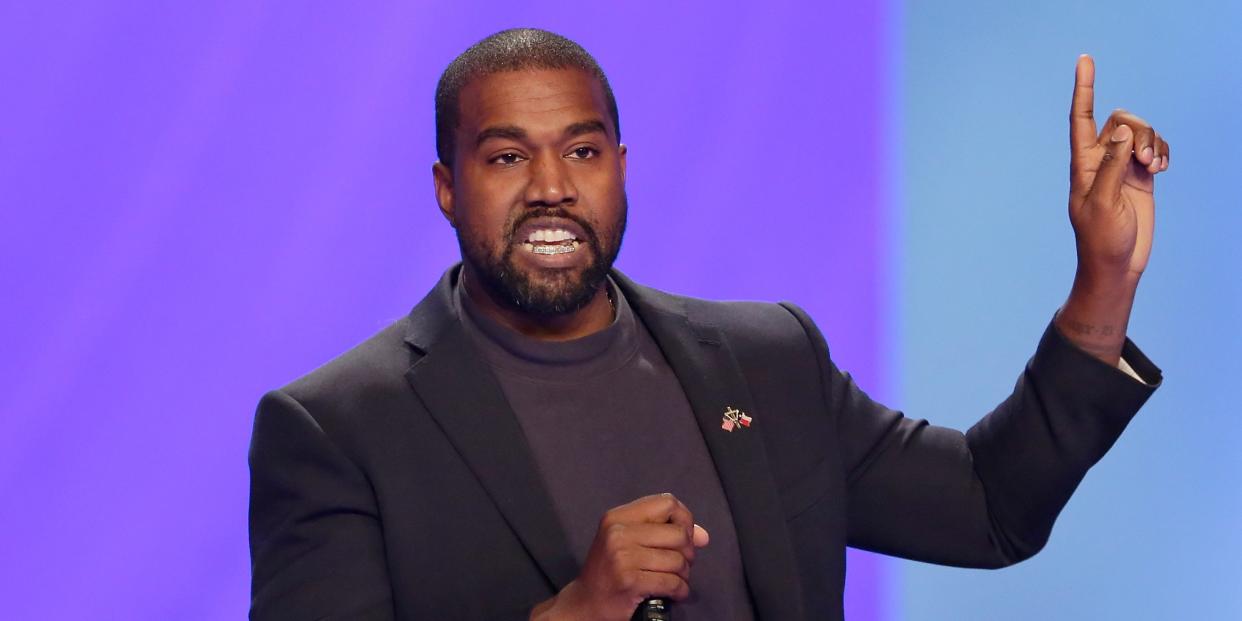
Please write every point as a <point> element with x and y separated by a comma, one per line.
<point>532,99</point>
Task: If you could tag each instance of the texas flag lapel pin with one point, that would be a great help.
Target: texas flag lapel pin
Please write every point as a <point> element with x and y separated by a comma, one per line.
<point>734,419</point>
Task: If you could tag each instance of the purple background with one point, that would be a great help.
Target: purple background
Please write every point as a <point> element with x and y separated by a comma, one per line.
<point>203,201</point>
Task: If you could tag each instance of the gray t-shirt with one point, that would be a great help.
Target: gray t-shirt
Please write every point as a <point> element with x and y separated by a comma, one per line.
<point>607,422</point>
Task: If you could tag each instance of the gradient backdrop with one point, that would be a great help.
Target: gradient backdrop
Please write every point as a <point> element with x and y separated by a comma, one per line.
<point>203,201</point>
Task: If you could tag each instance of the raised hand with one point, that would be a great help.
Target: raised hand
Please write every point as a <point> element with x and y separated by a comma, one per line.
<point>1112,210</point>
<point>644,548</point>
<point>1111,181</point>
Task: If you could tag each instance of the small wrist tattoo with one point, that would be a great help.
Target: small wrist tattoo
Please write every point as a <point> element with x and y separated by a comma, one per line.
<point>1087,329</point>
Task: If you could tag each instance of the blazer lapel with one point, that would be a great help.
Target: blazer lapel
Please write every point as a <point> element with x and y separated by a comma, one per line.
<point>700,357</point>
<point>462,394</point>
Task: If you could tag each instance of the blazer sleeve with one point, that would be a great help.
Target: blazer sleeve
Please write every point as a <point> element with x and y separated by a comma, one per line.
<point>987,498</point>
<point>316,546</point>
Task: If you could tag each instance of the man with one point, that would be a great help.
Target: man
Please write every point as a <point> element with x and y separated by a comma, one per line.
<point>543,438</point>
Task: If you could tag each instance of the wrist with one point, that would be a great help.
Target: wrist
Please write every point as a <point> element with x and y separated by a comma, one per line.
<point>1095,316</point>
<point>1105,279</point>
<point>541,611</point>
<point>551,610</point>
<point>564,606</point>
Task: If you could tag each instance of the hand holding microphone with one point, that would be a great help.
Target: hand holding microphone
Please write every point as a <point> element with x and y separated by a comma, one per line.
<point>642,551</point>
<point>653,609</point>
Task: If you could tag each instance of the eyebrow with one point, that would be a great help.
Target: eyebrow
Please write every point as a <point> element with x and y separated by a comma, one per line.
<point>586,127</point>
<point>513,132</point>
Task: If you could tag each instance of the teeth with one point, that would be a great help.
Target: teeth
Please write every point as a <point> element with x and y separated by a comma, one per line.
<point>550,235</point>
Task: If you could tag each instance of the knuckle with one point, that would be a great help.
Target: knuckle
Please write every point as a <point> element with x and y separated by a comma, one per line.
<point>678,535</point>
<point>623,557</point>
<point>608,520</point>
<point>671,580</point>
<point>615,538</point>
<point>626,581</point>
<point>676,587</point>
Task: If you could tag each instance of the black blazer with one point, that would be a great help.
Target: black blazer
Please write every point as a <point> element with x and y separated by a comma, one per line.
<point>394,481</point>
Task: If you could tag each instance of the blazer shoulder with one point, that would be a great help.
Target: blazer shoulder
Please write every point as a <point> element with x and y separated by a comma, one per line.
<point>764,325</point>
<point>371,368</point>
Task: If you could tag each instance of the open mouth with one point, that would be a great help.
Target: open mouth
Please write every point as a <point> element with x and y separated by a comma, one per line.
<point>551,242</point>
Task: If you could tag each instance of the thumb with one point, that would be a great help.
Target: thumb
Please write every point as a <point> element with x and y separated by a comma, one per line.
<point>700,536</point>
<point>1106,189</point>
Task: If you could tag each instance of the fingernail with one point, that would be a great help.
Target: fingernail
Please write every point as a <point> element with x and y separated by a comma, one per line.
<point>1121,134</point>
<point>1148,153</point>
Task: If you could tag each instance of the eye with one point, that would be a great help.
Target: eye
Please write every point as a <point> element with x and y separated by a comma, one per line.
<point>583,153</point>
<point>507,159</point>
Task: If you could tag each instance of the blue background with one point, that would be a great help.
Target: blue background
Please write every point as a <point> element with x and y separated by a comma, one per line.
<point>1152,533</point>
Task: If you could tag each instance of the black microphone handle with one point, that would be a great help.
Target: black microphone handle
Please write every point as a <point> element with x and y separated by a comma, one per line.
<point>654,609</point>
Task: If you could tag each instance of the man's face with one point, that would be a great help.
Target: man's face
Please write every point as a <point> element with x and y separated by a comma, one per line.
<point>537,190</point>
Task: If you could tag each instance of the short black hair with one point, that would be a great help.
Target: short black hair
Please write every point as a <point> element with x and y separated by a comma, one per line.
<point>509,50</point>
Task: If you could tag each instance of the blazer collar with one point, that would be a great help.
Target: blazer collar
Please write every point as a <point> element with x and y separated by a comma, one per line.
<point>700,356</point>
<point>462,394</point>
<point>464,397</point>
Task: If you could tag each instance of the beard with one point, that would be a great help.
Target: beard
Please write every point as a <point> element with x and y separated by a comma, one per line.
<point>544,292</point>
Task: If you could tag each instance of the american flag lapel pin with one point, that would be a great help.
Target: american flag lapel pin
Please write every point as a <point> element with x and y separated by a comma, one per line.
<point>734,419</point>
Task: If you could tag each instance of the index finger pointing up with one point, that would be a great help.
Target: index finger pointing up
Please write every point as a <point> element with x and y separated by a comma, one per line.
<point>1082,107</point>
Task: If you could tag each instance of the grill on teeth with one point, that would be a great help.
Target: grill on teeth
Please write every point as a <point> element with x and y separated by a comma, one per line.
<point>554,249</point>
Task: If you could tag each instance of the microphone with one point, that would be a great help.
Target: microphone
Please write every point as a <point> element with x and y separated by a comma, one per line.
<point>654,609</point>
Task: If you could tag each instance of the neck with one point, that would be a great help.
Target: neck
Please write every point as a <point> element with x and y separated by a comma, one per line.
<point>591,318</point>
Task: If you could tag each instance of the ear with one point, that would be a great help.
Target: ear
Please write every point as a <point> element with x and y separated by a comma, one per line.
<point>621,151</point>
<point>442,176</point>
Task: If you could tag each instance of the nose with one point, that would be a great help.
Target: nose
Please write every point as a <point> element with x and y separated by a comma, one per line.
<point>551,183</point>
